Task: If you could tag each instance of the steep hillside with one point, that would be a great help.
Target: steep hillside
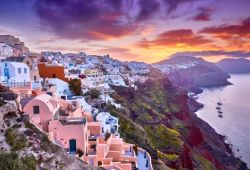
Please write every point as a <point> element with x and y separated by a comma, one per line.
<point>24,147</point>
<point>157,117</point>
<point>192,73</point>
<point>234,65</point>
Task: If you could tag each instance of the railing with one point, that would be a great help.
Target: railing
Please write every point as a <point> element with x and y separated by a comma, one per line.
<point>148,156</point>
<point>16,84</point>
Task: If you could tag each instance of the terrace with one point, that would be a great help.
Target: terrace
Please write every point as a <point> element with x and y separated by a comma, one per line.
<point>144,160</point>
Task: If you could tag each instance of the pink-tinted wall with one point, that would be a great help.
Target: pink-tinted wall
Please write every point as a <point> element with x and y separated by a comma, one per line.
<point>64,133</point>
<point>41,119</point>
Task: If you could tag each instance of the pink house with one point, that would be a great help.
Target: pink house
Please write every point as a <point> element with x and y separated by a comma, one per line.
<point>110,153</point>
<point>73,132</point>
<point>41,110</point>
<point>73,129</point>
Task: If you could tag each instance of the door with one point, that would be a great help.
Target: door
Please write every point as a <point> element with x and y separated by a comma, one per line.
<point>72,146</point>
<point>6,73</point>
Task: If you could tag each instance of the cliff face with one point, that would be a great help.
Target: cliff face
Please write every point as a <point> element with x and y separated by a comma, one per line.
<point>157,117</point>
<point>192,73</point>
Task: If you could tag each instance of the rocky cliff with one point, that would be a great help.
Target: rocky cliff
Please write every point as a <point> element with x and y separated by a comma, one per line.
<point>192,73</point>
<point>158,117</point>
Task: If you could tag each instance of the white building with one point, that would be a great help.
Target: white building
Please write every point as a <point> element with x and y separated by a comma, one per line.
<point>115,80</point>
<point>94,78</point>
<point>62,88</point>
<point>14,74</point>
<point>109,123</point>
<point>138,67</point>
<point>5,51</point>
<point>91,60</point>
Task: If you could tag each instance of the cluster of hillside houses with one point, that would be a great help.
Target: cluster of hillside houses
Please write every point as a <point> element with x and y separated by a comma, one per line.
<point>42,84</point>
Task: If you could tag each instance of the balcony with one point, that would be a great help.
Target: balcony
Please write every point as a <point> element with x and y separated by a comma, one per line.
<point>16,84</point>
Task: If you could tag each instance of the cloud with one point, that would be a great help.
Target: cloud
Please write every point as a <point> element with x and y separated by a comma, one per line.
<point>235,36</point>
<point>175,38</point>
<point>100,19</point>
<point>171,5</point>
<point>242,29</point>
<point>8,31</point>
<point>204,14</point>
<point>60,48</point>
<point>236,54</point>
<point>146,11</point>
<point>79,19</point>
<point>45,40</point>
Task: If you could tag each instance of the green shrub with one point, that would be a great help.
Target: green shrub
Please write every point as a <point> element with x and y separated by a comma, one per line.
<point>11,161</point>
<point>168,157</point>
<point>16,126</point>
<point>30,162</point>
<point>75,85</point>
<point>47,145</point>
<point>95,94</point>
<point>16,140</point>
<point>29,125</point>
<point>204,163</point>
<point>163,137</point>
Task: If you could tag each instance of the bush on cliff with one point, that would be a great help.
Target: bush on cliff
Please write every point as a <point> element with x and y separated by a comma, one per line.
<point>11,161</point>
<point>14,139</point>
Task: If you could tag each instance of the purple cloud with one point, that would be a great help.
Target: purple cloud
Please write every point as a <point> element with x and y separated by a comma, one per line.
<point>204,14</point>
<point>99,19</point>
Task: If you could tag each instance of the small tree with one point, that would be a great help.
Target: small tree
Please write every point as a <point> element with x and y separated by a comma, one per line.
<point>75,85</point>
<point>107,135</point>
<point>99,163</point>
<point>80,152</point>
<point>95,94</point>
<point>135,149</point>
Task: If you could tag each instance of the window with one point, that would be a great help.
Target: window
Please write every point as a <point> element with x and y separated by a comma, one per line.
<point>34,78</point>
<point>25,70</point>
<point>36,109</point>
<point>19,70</point>
<point>54,75</point>
<point>49,93</point>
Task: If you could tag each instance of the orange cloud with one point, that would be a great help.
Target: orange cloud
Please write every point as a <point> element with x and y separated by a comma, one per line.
<point>175,38</point>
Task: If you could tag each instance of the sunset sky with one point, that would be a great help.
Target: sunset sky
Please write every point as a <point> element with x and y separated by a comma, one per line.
<point>141,30</point>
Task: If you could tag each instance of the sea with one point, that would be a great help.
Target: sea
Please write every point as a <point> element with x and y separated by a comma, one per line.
<point>234,103</point>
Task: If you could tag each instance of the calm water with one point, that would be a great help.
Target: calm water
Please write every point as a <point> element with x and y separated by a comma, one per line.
<point>235,123</point>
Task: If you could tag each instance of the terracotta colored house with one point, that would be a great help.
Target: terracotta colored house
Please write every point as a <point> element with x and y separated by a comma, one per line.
<point>52,71</point>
